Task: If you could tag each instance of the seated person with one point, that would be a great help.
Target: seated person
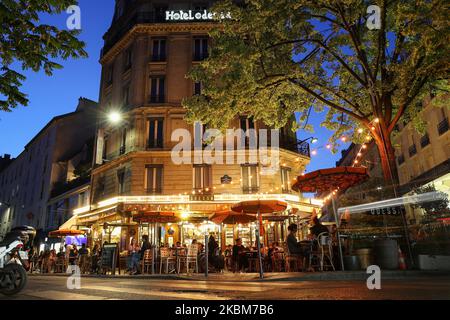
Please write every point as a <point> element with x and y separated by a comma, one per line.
<point>293,245</point>
<point>317,227</point>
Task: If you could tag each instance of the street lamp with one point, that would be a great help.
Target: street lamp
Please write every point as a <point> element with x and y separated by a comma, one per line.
<point>313,140</point>
<point>115,117</point>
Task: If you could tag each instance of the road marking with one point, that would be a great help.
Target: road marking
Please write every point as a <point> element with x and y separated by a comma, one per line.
<point>157,293</point>
<point>61,295</point>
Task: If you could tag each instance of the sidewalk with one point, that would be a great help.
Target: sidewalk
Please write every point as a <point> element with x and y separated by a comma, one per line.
<point>274,276</point>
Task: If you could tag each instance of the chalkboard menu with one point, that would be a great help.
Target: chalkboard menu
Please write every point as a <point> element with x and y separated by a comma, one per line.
<point>109,257</point>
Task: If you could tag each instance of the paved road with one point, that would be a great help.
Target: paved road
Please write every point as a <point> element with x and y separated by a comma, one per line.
<point>55,288</point>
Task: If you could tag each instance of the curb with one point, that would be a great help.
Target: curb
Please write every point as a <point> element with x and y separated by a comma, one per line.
<point>270,277</point>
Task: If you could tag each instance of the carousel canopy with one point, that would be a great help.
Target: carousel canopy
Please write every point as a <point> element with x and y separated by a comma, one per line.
<point>326,180</point>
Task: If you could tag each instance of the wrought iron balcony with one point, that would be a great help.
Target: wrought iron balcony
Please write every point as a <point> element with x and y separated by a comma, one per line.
<point>300,147</point>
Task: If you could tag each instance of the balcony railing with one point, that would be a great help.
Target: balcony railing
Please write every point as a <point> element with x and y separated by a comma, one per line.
<point>250,189</point>
<point>412,150</point>
<point>297,146</point>
<point>157,99</point>
<point>424,141</point>
<point>154,190</point>
<point>443,126</point>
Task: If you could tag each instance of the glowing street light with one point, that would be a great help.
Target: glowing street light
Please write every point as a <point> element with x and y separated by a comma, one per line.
<point>114,117</point>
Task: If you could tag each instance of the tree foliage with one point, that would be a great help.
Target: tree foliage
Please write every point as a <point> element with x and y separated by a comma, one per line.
<point>277,57</point>
<point>31,44</point>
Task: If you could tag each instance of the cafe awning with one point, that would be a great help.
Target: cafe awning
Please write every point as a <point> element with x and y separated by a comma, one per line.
<point>155,217</point>
<point>231,217</point>
<point>65,232</point>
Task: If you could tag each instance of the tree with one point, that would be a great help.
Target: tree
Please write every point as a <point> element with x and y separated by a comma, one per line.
<point>277,57</point>
<point>435,209</point>
<point>23,39</point>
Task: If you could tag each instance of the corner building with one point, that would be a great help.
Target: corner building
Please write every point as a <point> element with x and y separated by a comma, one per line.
<point>136,188</point>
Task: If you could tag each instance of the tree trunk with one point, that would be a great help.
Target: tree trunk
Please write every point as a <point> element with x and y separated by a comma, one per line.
<point>388,161</point>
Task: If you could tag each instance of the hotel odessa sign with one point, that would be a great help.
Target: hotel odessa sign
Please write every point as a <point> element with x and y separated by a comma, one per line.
<point>190,15</point>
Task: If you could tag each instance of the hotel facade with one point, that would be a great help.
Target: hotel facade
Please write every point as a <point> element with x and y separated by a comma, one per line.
<point>136,187</point>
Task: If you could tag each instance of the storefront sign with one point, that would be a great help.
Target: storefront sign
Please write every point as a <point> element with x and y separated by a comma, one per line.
<point>191,15</point>
<point>387,211</point>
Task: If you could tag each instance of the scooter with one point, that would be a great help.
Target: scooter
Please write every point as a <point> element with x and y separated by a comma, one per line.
<point>14,260</point>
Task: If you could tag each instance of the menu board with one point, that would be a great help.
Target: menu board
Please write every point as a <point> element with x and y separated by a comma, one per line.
<point>109,257</point>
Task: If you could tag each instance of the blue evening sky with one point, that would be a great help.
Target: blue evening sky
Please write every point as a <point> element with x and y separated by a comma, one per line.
<point>52,96</point>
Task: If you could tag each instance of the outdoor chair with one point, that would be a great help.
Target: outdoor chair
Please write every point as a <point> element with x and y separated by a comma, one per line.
<point>147,261</point>
<point>166,257</point>
<point>292,262</point>
<point>321,252</point>
<point>190,258</point>
<point>60,265</point>
<point>278,261</point>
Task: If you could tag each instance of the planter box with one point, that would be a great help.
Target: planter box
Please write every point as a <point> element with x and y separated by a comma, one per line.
<point>429,262</point>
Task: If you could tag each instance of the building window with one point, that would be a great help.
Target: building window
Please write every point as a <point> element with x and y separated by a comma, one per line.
<point>401,159</point>
<point>247,124</point>
<point>128,59</point>
<point>200,49</point>
<point>159,50</point>
<point>286,179</point>
<point>412,150</point>
<point>425,140</point>
<point>202,180</point>
<point>250,181</point>
<point>197,88</point>
<point>123,141</point>
<point>157,90</point>
<point>153,178</point>
<point>109,75</point>
<point>121,181</point>
<point>126,96</point>
<point>155,133</point>
<point>443,124</point>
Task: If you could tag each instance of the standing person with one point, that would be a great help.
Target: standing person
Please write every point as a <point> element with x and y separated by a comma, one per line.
<point>51,262</point>
<point>94,258</point>
<point>240,258</point>
<point>73,255</point>
<point>135,256</point>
